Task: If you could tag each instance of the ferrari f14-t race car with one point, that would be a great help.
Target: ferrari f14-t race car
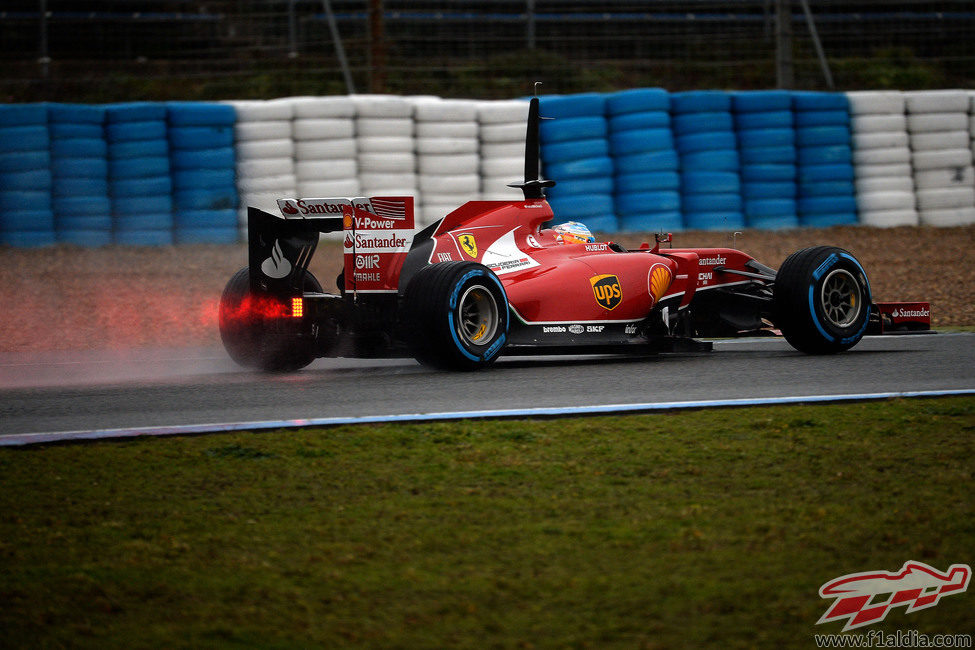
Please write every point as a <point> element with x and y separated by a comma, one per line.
<point>490,279</point>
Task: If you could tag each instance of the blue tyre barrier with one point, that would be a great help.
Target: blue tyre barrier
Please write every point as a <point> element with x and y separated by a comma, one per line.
<point>638,100</point>
<point>819,101</point>
<point>87,223</point>
<point>700,101</point>
<point>652,222</point>
<point>826,172</point>
<point>689,123</point>
<point>163,237</point>
<point>96,168</point>
<point>770,120</point>
<point>203,179</point>
<point>581,206</point>
<point>135,112</point>
<point>826,205</point>
<point>191,138</point>
<point>205,199</point>
<point>818,136</point>
<point>771,172</point>
<point>568,106</point>
<point>83,206</point>
<point>575,150</point>
<point>67,130</point>
<point>79,148</point>
<point>595,185</point>
<point>628,142</point>
<point>768,155</point>
<point>86,238</point>
<point>827,220</point>
<point>761,101</point>
<point>25,199</point>
<point>575,128</point>
<point>805,119</point>
<point>13,115</point>
<point>24,160</point>
<point>707,182</point>
<point>587,167</point>
<point>139,149</point>
<point>76,114</point>
<point>226,235</point>
<point>647,182</point>
<point>765,208</point>
<point>706,141</point>
<point>34,179</point>
<point>650,161</point>
<point>636,121</point>
<point>23,138</point>
<point>127,206</point>
<point>123,168</point>
<point>769,190</point>
<point>699,203</point>
<point>200,114</point>
<point>137,187</point>
<point>66,187</point>
<point>827,188</point>
<point>714,220</point>
<point>607,223</point>
<point>205,218</point>
<point>829,154</point>
<point>26,219</point>
<point>648,202</point>
<point>719,160</point>
<point>128,131</point>
<point>144,221</point>
<point>27,238</point>
<point>760,138</point>
<point>220,158</point>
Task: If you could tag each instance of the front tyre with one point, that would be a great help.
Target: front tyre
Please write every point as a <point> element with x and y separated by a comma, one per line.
<point>821,300</point>
<point>455,316</point>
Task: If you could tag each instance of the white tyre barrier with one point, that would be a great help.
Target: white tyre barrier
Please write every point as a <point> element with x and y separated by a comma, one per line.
<point>503,132</point>
<point>464,163</point>
<point>387,162</point>
<point>466,184</point>
<point>325,149</point>
<point>878,123</point>
<point>886,156</point>
<point>940,140</point>
<point>325,170</point>
<point>866,102</point>
<point>446,146</point>
<point>945,197</point>
<point>945,158</point>
<point>329,188</point>
<point>885,184</point>
<point>948,217</point>
<point>952,177</point>
<point>928,122</point>
<point>260,167</point>
<point>937,101</point>
<point>280,148</point>
<point>277,130</point>
<point>446,130</point>
<point>323,107</point>
<point>388,144</point>
<point>258,110</point>
<point>889,218</point>
<point>888,200</point>
<point>382,106</point>
<point>370,127</point>
<point>873,171</point>
<point>323,128</point>
<point>513,111</point>
<point>284,183</point>
<point>881,140</point>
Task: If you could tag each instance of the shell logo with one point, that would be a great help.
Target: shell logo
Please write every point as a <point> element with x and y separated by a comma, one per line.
<point>658,281</point>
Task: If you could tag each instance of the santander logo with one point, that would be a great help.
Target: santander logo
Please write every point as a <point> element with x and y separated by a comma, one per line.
<point>277,266</point>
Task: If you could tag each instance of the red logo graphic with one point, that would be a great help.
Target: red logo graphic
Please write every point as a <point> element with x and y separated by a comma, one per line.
<point>866,598</point>
<point>287,208</point>
<point>348,240</point>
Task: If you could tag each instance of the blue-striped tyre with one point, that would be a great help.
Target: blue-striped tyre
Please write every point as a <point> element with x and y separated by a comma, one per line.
<point>769,120</point>
<point>700,101</point>
<point>193,138</point>
<point>705,182</point>
<point>770,172</point>
<point>225,235</point>
<point>629,142</point>
<point>27,238</point>
<point>827,205</point>
<point>720,160</point>
<point>714,220</point>
<point>24,160</point>
<point>68,131</point>
<point>647,182</point>
<point>826,188</point>
<point>69,187</point>
<point>26,218</point>
<point>769,190</point>
<point>139,205</point>
<point>807,119</point>
<point>649,161</point>
<point>825,172</point>
<point>652,222</point>
<point>24,200</point>
<point>585,168</point>
<point>144,237</point>
<point>204,179</point>
<point>647,202</point>
<point>755,101</point>
<point>123,168</point>
<point>595,185</point>
<point>203,219</point>
<point>76,114</point>
<point>456,315</point>
<point>138,149</point>
<point>567,106</point>
<point>694,203</point>
<point>821,300</point>
<point>555,152</point>
<point>818,136</point>
<point>136,187</point>
<point>785,154</point>
<point>200,114</point>
<point>807,100</point>
<point>636,121</point>
<point>79,148</point>
<point>206,199</point>
<point>34,179</point>
<point>85,224</point>
<point>23,115</point>
<point>135,112</point>
<point>706,141</point>
<point>222,158</point>
<point>85,238</point>
<point>82,206</point>
<point>96,168</point>
<point>581,206</point>
<point>751,138</point>
<point>689,123</point>
<point>23,138</point>
<point>638,100</point>
<point>778,222</point>
<point>572,128</point>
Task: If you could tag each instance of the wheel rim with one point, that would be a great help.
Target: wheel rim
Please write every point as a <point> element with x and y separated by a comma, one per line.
<point>478,313</point>
<point>841,298</point>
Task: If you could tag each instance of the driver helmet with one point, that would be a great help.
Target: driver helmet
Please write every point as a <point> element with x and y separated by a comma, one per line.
<point>573,232</point>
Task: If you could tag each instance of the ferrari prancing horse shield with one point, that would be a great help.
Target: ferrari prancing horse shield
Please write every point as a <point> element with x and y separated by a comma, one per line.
<point>468,244</point>
<point>607,290</point>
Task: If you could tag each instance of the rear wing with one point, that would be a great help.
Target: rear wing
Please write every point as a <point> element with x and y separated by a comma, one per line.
<point>377,235</point>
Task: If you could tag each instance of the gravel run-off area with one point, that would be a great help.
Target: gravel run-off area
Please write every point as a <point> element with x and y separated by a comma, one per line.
<point>67,298</point>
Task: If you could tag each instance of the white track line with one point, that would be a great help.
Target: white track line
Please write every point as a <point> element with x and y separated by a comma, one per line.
<point>23,439</point>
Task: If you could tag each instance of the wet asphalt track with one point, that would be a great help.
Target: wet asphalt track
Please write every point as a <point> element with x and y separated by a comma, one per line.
<point>93,391</point>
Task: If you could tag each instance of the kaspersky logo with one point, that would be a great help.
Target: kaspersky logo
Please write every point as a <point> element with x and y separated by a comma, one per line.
<point>607,290</point>
<point>866,598</point>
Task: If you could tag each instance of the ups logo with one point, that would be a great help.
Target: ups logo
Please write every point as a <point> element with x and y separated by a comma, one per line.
<point>607,290</point>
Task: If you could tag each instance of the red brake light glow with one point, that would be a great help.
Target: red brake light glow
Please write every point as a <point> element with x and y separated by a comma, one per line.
<point>297,307</point>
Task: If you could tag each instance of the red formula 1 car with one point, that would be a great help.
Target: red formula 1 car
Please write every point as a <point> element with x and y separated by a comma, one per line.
<point>490,279</point>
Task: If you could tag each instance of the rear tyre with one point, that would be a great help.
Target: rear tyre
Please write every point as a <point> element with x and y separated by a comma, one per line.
<point>821,300</point>
<point>455,316</point>
<point>254,336</point>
